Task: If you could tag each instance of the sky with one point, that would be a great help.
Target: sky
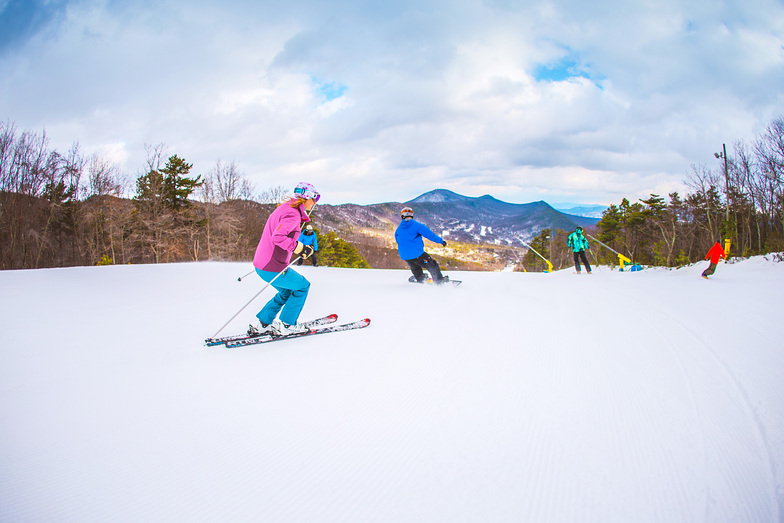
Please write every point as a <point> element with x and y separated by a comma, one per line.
<point>562,101</point>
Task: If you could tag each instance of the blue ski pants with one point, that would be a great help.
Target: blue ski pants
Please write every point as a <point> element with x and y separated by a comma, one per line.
<point>292,290</point>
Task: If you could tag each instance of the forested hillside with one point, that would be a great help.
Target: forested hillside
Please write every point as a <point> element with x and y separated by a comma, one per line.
<point>66,209</point>
<point>59,210</point>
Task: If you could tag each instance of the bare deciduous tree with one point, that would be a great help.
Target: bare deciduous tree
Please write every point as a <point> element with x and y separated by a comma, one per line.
<point>230,183</point>
<point>224,184</point>
<point>274,194</point>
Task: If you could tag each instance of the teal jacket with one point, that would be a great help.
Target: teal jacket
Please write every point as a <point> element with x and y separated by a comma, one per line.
<point>577,241</point>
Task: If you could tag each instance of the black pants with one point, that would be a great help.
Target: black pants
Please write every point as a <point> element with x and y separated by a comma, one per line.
<point>580,255</point>
<point>424,261</point>
<point>312,257</point>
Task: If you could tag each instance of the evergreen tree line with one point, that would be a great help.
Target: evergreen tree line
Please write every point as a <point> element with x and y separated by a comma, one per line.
<point>59,210</point>
<point>744,203</point>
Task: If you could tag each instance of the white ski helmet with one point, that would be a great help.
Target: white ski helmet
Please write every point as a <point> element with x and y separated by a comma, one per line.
<point>307,191</point>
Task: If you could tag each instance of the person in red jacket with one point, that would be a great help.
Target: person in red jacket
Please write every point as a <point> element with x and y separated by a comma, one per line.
<point>715,253</point>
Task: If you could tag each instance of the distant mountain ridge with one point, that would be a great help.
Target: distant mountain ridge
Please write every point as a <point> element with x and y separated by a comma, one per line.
<point>486,219</point>
<point>440,196</point>
<point>589,211</point>
<point>445,195</point>
<point>483,219</point>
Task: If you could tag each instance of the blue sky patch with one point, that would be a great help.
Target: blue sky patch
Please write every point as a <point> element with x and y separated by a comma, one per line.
<point>559,72</point>
<point>566,68</point>
<point>329,90</point>
<point>21,19</point>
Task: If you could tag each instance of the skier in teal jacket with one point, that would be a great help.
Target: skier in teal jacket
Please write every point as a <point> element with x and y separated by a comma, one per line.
<point>579,243</point>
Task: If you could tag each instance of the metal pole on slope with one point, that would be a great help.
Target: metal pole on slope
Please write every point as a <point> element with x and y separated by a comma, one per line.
<point>727,241</point>
<point>621,258</point>
<point>723,155</point>
<point>549,265</point>
<point>519,259</point>
<point>256,296</point>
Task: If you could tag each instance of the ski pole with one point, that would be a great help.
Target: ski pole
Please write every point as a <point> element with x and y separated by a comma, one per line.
<point>256,296</point>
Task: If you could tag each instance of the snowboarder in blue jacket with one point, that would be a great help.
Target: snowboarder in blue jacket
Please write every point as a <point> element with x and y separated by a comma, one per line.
<point>411,247</point>
<point>308,237</point>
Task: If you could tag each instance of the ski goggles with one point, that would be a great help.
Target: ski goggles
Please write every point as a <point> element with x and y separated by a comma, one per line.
<point>307,193</point>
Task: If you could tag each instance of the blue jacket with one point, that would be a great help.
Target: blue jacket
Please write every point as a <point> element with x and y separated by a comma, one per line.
<point>577,241</point>
<point>309,239</point>
<point>408,236</point>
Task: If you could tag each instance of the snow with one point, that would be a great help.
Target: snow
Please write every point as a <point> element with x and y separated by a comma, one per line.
<point>649,396</point>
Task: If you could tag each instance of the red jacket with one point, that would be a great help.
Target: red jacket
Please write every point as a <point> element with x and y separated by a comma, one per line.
<point>715,253</point>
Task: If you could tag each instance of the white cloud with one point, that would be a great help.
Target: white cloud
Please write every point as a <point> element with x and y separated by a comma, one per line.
<point>383,102</point>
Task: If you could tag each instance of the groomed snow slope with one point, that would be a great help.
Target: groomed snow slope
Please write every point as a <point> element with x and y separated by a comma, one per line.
<point>652,396</point>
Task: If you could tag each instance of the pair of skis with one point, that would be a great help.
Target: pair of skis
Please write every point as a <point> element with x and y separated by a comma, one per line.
<point>317,326</point>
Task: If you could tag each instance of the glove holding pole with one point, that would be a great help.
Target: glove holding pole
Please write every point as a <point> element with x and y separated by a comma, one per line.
<point>304,251</point>
<point>295,252</point>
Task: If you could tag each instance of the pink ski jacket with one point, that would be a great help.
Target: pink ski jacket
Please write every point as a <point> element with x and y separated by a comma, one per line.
<point>279,238</point>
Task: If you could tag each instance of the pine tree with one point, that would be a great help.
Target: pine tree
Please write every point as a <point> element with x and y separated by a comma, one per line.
<point>335,252</point>
<point>177,187</point>
<point>166,224</point>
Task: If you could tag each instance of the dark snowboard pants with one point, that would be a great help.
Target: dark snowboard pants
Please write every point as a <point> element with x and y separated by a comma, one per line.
<point>424,261</point>
<point>710,270</point>
<point>580,255</point>
<point>312,257</point>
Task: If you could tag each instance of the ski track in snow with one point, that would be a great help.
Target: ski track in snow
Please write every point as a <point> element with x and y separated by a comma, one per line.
<point>756,491</point>
<point>761,492</point>
<point>652,396</point>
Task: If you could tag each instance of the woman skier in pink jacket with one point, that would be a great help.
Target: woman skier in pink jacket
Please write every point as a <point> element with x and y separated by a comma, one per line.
<point>279,242</point>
